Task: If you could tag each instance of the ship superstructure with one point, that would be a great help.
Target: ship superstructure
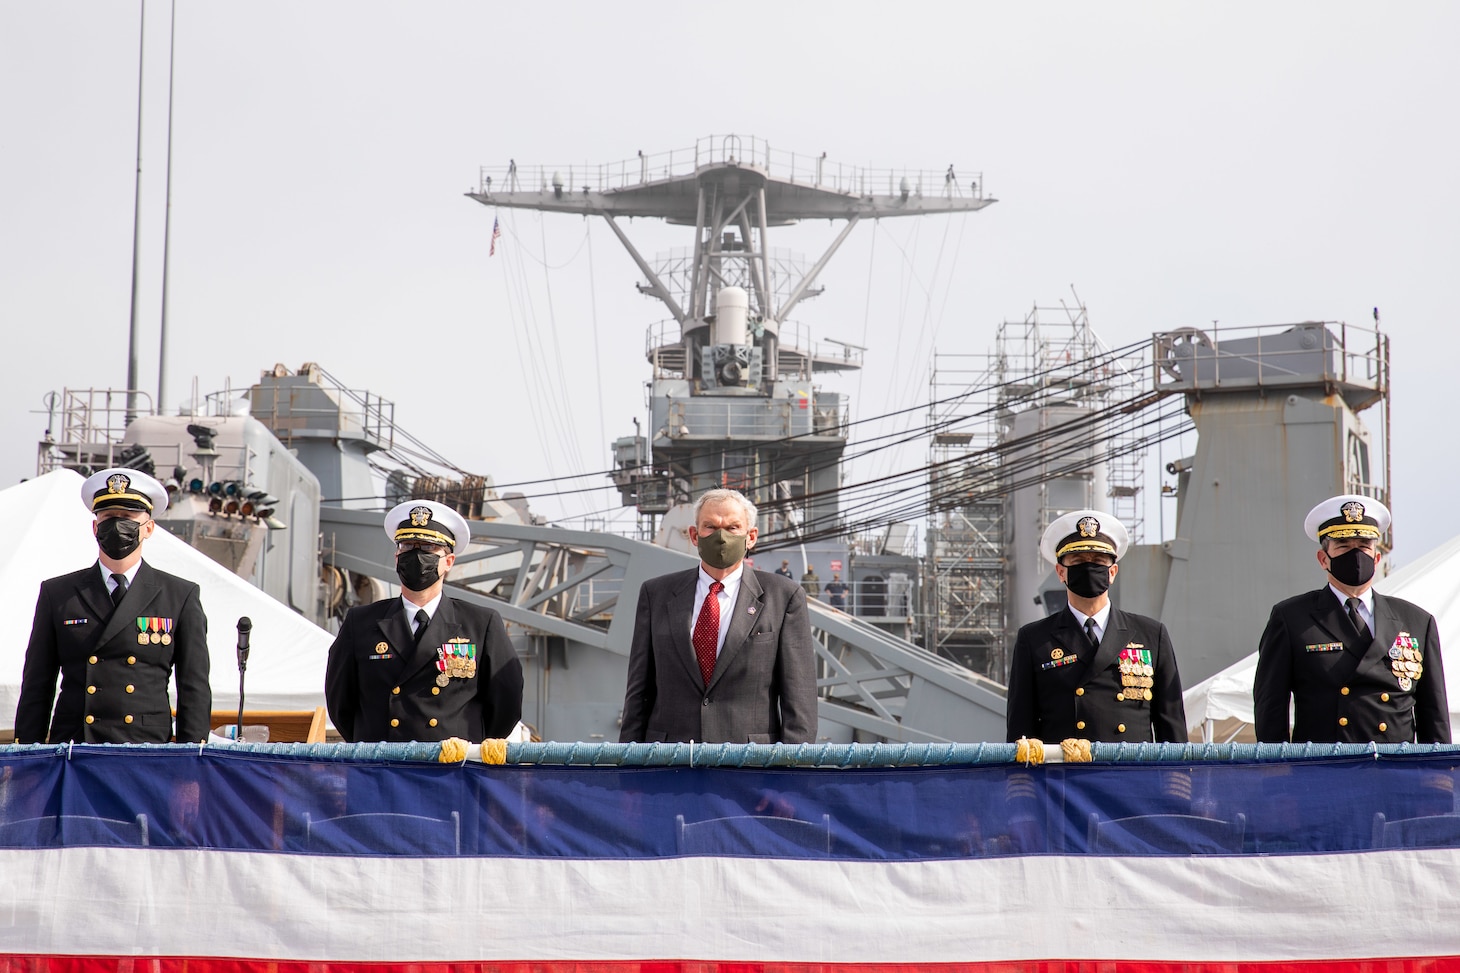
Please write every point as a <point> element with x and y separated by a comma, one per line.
<point>734,399</point>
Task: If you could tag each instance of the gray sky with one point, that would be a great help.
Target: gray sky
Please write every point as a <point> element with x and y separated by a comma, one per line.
<point>1250,163</point>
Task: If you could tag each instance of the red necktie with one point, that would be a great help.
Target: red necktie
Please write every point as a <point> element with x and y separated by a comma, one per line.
<point>707,631</point>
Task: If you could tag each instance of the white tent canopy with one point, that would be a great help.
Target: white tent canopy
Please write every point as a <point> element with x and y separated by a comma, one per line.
<point>1432,582</point>
<point>51,535</point>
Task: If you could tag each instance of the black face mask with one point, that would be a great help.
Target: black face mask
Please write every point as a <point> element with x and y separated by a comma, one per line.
<point>417,569</point>
<point>117,537</point>
<point>1088,579</point>
<point>1353,567</point>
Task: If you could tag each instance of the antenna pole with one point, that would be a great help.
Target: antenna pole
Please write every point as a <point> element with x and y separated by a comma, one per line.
<point>136,227</point>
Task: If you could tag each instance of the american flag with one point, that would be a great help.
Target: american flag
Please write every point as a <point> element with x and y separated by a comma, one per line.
<point>496,232</point>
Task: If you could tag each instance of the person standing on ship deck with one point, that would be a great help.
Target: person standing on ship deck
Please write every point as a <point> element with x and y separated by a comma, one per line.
<point>117,632</point>
<point>721,653</point>
<point>1358,666</point>
<point>1091,671</point>
<point>423,666</point>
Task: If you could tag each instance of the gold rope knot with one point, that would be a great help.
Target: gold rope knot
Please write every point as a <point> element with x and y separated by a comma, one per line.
<point>494,751</point>
<point>1076,751</point>
<point>1029,752</point>
<point>453,751</point>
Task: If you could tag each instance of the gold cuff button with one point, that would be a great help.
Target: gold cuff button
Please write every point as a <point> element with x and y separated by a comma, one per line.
<point>1120,727</point>
<point>90,718</point>
<point>91,689</point>
<point>433,722</point>
<point>1344,691</point>
<point>395,722</point>
<point>1343,721</point>
<point>127,718</point>
<point>131,660</point>
<point>1120,697</point>
<point>131,689</point>
<point>1384,697</point>
<point>1383,727</point>
<point>395,691</point>
<point>92,660</point>
<point>1080,725</point>
<point>1080,691</point>
<point>435,690</point>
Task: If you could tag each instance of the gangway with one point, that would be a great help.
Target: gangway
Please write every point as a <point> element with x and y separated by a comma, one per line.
<point>567,597</point>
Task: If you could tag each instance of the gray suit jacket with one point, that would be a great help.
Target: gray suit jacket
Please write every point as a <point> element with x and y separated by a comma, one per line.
<point>763,689</point>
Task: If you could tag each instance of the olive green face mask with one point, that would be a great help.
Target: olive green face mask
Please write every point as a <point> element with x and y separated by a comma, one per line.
<point>722,550</point>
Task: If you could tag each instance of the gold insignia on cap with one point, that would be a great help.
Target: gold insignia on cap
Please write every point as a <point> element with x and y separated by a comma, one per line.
<point>1353,512</point>
<point>420,516</point>
<point>118,483</point>
<point>1088,527</point>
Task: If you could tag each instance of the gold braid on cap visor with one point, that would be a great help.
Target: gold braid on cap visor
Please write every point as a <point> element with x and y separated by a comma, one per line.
<point>1085,545</point>
<point>1340,531</point>
<point>111,498</point>
<point>422,533</point>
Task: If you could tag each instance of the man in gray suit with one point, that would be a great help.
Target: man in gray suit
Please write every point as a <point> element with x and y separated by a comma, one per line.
<point>721,654</point>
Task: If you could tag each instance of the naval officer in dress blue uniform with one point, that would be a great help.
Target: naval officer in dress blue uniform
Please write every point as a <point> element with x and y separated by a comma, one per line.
<point>116,632</point>
<point>1091,671</point>
<point>1358,666</point>
<point>423,666</point>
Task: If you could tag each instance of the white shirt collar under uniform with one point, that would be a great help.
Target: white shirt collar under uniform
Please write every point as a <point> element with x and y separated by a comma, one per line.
<point>429,608</point>
<point>106,576</point>
<point>1102,617</point>
<point>1366,603</point>
<point>727,601</point>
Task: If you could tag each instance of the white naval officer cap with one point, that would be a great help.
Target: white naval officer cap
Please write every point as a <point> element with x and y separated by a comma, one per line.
<point>1347,515</point>
<point>429,521</point>
<point>1084,530</point>
<point>123,489</point>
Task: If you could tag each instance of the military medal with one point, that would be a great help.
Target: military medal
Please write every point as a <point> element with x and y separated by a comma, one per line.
<point>443,680</point>
<point>153,624</point>
<point>167,631</point>
<point>142,638</point>
<point>1404,660</point>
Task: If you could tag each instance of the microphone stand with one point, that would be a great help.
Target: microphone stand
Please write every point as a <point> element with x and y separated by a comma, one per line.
<point>244,627</point>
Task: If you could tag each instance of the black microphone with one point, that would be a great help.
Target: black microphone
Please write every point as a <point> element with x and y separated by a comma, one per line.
<point>245,625</point>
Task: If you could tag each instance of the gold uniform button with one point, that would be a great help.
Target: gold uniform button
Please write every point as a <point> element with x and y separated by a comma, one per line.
<point>127,719</point>
<point>1120,727</point>
<point>1080,725</point>
<point>1343,721</point>
<point>91,689</point>
<point>435,690</point>
<point>1080,691</point>
<point>131,689</point>
<point>90,718</point>
<point>395,691</point>
<point>1120,697</point>
<point>395,722</point>
<point>1384,697</point>
<point>1383,727</point>
<point>92,660</point>
<point>131,660</point>
<point>433,722</point>
<point>1344,691</point>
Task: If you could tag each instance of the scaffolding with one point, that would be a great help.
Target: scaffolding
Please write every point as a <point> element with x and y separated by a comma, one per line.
<point>1009,454</point>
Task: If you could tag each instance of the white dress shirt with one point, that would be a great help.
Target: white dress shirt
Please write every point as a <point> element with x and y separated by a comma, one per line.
<point>1101,618</point>
<point>1366,604</point>
<point>726,600</point>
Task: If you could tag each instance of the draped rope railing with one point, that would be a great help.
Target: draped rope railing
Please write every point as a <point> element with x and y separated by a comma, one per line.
<point>758,755</point>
